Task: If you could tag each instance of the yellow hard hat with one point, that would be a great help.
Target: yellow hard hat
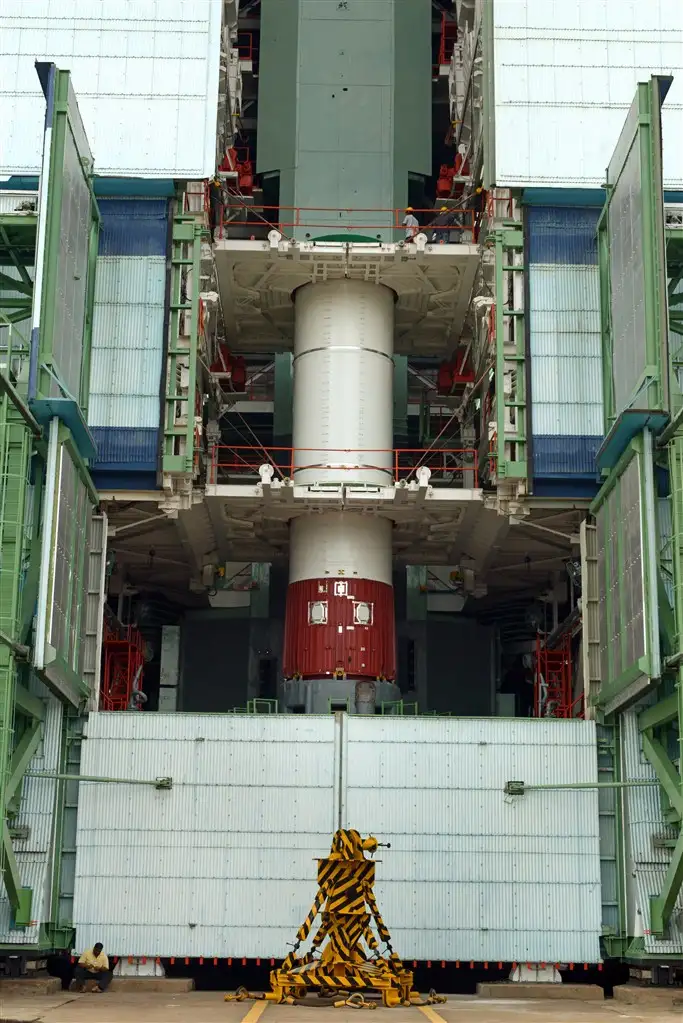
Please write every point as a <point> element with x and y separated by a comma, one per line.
<point>409,209</point>
<point>479,190</point>
<point>444,209</point>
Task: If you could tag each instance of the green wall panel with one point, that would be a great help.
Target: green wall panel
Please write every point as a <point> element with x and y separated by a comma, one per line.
<point>345,108</point>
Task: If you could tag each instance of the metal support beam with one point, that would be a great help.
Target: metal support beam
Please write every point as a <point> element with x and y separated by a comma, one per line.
<point>660,714</point>
<point>22,757</point>
<point>20,899</point>
<point>22,408</point>
<point>520,788</point>
<point>668,776</point>
<point>27,703</point>
<point>662,905</point>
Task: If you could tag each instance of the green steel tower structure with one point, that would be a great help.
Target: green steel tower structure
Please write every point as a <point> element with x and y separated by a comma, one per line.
<point>51,537</point>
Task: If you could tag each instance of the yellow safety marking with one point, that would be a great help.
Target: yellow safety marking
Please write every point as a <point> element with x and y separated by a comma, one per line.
<point>432,1015</point>
<point>256,1011</point>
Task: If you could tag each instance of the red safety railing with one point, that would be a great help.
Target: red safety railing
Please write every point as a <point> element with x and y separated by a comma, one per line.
<point>499,204</point>
<point>246,46</point>
<point>446,465</point>
<point>553,680</point>
<point>288,218</point>
<point>448,39</point>
<point>122,664</point>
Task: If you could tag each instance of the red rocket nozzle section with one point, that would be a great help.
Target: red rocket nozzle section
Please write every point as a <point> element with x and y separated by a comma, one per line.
<point>340,628</point>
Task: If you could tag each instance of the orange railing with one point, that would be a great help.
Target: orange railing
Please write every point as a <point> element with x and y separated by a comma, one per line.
<point>285,218</point>
<point>446,465</point>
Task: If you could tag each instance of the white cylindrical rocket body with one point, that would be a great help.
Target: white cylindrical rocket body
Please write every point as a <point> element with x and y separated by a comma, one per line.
<point>340,603</point>
<point>343,383</point>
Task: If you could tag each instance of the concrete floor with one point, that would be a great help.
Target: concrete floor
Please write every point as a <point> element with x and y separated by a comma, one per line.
<point>198,1007</point>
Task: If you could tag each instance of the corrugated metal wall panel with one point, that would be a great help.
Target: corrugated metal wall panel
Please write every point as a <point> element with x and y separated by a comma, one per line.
<point>552,59</point>
<point>133,227</point>
<point>565,340</point>
<point>128,324</point>
<point>128,329</point>
<point>124,410</point>
<point>223,864</point>
<point>146,77</point>
<point>34,854</point>
<point>649,863</point>
<point>471,873</point>
<point>118,446</point>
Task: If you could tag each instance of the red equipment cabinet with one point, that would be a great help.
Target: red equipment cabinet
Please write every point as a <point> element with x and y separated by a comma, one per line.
<point>340,628</point>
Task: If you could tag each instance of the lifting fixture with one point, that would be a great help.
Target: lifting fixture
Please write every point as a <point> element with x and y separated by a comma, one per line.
<point>344,961</point>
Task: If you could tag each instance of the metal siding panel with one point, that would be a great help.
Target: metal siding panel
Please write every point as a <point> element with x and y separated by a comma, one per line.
<point>566,366</point>
<point>187,872</point>
<point>196,870</point>
<point>552,58</point>
<point>127,346</point>
<point>34,854</point>
<point>565,235</point>
<point>143,71</point>
<point>130,446</point>
<point>133,227</point>
<point>454,888</point>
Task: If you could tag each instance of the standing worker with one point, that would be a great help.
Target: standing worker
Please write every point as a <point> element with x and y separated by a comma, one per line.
<point>411,224</point>
<point>215,203</point>
<point>93,965</point>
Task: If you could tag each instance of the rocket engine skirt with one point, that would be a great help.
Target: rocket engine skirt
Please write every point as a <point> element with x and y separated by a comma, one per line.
<point>340,628</point>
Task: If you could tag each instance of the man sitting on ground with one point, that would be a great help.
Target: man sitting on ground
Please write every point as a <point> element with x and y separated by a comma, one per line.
<point>93,965</point>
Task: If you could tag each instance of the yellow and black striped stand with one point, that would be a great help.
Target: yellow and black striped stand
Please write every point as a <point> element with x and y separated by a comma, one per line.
<point>344,961</point>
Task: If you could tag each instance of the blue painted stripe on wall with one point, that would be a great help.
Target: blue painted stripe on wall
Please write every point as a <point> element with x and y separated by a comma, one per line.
<point>566,487</point>
<point>565,456</point>
<point>134,447</point>
<point>562,235</point>
<point>123,478</point>
<point>133,227</point>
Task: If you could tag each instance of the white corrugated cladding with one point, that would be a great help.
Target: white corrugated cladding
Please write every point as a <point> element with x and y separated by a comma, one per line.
<point>34,853</point>
<point>565,75</point>
<point>145,73</point>
<point>223,865</point>
<point>127,341</point>
<point>472,873</point>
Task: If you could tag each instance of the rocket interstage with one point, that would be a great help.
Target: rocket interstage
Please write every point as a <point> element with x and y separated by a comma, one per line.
<point>340,601</point>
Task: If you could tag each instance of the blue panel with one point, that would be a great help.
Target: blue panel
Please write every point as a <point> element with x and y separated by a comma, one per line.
<point>565,235</point>
<point>133,227</point>
<point>124,479</point>
<point>565,456</point>
<point>565,487</point>
<point>132,447</point>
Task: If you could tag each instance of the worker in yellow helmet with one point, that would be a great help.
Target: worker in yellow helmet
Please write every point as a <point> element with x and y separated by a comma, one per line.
<point>411,224</point>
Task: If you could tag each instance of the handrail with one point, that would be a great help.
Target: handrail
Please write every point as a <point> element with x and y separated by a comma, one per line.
<point>400,463</point>
<point>291,217</point>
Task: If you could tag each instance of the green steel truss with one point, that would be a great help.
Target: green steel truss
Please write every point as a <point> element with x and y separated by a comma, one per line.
<point>44,375</point>
<point>641,270</point>
<point>509,454</point>
<point>180,462</point>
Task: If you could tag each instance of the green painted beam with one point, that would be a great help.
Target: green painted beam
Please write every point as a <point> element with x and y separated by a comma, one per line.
<point>28,703</point>
<point>660,714</point>
<point>20,898</point>
<point>662,905</point>
<point>668,776</point>
<point>12,284</point>
<point>22,756</point>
